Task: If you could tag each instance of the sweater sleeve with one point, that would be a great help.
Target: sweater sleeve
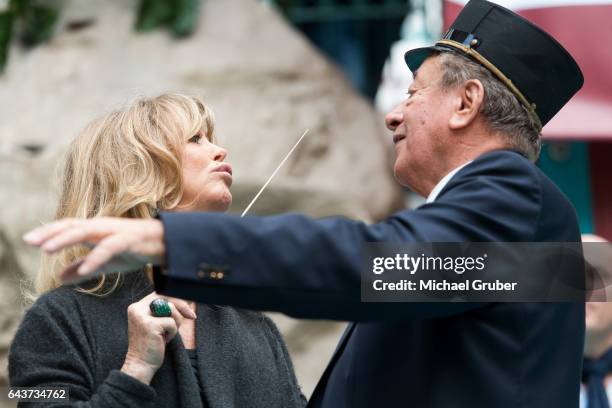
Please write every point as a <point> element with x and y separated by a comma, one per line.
<point>51,349</point>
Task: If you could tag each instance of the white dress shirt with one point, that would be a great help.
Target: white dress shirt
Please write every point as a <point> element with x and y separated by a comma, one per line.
<point>442,183</point>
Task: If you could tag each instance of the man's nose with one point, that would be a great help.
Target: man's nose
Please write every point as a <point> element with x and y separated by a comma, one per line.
<point>394,118</point>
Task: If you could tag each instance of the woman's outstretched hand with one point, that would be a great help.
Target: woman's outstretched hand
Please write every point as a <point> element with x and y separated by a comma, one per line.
<point>118,244</point>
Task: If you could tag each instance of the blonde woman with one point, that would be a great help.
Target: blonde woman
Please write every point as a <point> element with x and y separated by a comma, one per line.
<point>105,340</point>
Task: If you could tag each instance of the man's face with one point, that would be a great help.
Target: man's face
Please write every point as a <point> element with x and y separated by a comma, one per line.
<point>598,317</point>
<point>420,129</point>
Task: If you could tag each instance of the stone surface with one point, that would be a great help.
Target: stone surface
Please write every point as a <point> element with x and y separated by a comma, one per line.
<point>266,85</point>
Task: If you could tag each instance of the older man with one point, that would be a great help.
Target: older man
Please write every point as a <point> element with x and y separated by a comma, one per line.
<point>597,369</point>
<point>465,137</point>
<point>597,364</point>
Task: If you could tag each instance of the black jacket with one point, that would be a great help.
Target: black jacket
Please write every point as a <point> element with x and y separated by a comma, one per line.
<point>426,355</point>
<point>79,341</point>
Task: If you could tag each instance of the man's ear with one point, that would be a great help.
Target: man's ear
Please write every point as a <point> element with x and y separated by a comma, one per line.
<point>470,97</point>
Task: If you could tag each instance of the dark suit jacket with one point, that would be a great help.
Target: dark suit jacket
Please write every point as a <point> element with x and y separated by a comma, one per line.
<point>401,354</point>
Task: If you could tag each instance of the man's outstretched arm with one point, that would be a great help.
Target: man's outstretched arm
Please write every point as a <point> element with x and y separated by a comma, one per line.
<point>311,268</point>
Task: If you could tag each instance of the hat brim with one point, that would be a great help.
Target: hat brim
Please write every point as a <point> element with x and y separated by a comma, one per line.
<point>414,58</point>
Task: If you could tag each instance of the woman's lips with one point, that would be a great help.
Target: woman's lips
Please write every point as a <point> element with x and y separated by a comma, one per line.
<point>224,168</point>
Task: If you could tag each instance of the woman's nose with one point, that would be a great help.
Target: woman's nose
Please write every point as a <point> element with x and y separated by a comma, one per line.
<point>220,154</point>
<point>394,118</point>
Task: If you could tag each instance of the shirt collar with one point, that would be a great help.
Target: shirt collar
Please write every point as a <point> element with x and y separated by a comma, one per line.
<point>442,183</point>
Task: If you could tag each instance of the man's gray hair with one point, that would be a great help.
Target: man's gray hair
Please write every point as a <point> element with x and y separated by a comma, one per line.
<point>501,109</point>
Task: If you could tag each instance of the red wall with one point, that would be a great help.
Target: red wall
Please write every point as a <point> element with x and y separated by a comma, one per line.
<point>601,187</point>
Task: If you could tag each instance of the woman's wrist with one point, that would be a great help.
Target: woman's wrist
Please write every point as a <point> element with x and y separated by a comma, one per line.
<point>141,371</point>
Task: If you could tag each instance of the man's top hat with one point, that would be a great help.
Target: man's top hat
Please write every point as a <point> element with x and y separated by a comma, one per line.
<point>532,64</point>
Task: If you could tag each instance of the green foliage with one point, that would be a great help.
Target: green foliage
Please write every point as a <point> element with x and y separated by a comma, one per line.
<point>153,14</point>
<point>6,30</point>
<point>186,17</point>
<point>180,16</point>
<point>32,21</point>
<point>38,22</point>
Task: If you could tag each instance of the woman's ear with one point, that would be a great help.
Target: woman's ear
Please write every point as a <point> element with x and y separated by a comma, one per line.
<point>470,98</point>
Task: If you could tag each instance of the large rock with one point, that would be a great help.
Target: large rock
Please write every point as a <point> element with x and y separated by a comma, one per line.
<point>266,85</point>
<point>11,281</point>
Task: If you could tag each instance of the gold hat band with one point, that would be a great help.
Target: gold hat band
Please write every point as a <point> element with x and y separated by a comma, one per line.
<point>531,107</point>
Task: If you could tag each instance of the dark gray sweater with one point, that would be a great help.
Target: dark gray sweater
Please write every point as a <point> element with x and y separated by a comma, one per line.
<point>78,340</point>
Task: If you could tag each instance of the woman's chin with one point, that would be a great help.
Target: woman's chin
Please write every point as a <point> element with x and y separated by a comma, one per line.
<point>218,204</point>
<point>225,204</point>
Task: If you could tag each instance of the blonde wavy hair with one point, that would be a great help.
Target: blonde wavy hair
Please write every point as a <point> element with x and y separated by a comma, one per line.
<point>125,164</point>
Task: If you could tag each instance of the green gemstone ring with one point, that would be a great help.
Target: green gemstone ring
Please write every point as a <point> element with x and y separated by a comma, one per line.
<point>160,308</point>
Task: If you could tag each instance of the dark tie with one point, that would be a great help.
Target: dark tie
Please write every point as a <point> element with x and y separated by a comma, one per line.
<point>593,374</point>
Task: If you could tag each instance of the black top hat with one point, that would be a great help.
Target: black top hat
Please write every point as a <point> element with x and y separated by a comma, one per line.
<point>532,64</point>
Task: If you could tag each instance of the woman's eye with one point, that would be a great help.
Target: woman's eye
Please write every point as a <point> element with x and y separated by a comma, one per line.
<point>195,139</point>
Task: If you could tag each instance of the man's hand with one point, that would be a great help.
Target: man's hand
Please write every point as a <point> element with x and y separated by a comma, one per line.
<point>118,244</point>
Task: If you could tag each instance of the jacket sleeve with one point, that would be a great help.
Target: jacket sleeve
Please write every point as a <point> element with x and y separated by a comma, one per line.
<point>311,268</point>
<point>51,349</point>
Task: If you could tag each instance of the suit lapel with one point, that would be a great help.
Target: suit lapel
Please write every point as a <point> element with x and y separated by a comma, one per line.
<point>317,395</point>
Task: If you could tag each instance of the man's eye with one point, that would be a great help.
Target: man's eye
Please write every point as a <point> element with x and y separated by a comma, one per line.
<point>409,92</point>
<point>195,139</point>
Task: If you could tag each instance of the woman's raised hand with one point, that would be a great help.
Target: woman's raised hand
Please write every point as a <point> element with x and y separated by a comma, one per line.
<point>148,335</point>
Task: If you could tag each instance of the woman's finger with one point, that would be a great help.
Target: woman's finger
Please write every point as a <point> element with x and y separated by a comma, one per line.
<point>166,327</point>
<point>178,317</point>
<point>182,307</point>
